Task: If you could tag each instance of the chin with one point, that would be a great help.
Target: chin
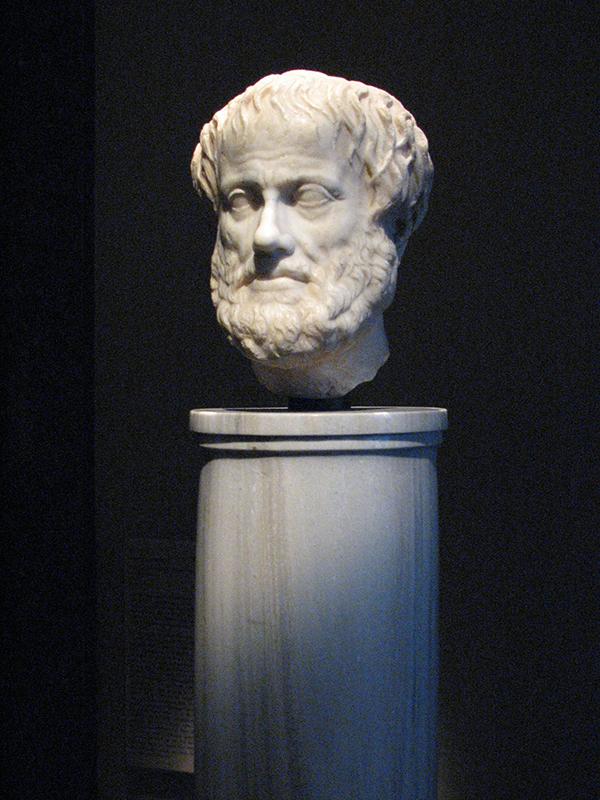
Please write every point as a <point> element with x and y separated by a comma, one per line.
<point>279,332</point>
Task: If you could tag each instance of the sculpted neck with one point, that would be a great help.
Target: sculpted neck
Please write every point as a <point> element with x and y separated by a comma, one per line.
<point>333,373</point>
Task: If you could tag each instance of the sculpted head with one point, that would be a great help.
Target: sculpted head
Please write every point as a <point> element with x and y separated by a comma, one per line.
<point>318,182</point>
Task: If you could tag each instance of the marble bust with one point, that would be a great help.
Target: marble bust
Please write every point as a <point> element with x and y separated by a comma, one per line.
<point>318,183</point>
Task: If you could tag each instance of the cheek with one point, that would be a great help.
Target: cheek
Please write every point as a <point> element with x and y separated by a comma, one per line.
<point>333,229</point>
<point>236,235</point>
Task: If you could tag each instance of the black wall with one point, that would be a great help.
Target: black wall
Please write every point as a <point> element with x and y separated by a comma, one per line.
<point>493,320</point>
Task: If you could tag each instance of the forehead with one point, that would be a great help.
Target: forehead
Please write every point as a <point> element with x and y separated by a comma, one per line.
<point>289,148</point>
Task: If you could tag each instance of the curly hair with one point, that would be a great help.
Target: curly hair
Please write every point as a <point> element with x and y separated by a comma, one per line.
<point>386,142</point>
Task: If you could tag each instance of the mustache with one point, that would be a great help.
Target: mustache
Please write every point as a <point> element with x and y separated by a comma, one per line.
<point>259,267</point>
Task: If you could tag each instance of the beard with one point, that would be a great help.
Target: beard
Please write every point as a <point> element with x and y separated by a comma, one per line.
<point>339,297</point>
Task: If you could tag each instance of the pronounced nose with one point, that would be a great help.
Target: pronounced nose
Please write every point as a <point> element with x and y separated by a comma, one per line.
<point>269,238</point>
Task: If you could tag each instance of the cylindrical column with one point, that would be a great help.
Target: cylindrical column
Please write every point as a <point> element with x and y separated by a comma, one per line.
<point>316,641</point>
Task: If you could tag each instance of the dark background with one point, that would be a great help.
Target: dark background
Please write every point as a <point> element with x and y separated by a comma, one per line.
<point>493,320</point>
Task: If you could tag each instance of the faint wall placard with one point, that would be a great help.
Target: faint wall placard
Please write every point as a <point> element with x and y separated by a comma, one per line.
<point>160,653</point>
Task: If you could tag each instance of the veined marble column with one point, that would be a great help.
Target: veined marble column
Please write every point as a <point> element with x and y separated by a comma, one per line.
<point>316,633</point>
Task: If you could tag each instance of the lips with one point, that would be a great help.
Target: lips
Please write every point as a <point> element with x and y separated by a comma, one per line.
<point>281,273</point>
<point>272,283</point>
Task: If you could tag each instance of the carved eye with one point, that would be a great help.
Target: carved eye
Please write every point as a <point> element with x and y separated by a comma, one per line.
<point>311,195</point>
<point>238,200</point>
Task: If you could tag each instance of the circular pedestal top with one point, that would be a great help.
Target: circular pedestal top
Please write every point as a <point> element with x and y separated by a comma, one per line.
<point>360,421</point>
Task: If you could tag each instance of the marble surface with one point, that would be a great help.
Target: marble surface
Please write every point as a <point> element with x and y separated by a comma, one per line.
<point>352,422</point>
<point>316,639</point>
<point>318,183</point>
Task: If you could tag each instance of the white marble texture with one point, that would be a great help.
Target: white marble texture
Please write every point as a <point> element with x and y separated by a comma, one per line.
<point>316,650</point>
<point>318,183</point>
<point>359,421</point>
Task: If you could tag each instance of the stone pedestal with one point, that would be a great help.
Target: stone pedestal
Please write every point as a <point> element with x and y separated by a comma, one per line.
<point>316,654</point>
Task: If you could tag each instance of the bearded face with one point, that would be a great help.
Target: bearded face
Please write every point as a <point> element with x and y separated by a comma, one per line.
<point>299,263</point>
<point>336,293</point>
